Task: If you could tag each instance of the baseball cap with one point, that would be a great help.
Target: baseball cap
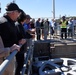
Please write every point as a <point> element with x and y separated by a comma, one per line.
<point>28,16</point>
<point>12,7</point>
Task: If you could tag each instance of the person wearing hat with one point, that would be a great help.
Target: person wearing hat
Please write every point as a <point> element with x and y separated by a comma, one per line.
<point>8,32</point>
<point>63,25</point>
<point>27,27</point>
<point>27,21</point>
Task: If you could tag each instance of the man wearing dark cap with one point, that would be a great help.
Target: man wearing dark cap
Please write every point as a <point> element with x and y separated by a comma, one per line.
<point>63,26</point>
<point>12,7</point>
<point>8,31</point>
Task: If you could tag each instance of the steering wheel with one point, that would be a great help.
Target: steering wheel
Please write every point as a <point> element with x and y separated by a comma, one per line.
<point>51,67</point>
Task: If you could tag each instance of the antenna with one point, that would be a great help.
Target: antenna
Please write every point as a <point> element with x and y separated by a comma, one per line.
<point>14,1</point>
<point>0,7</point>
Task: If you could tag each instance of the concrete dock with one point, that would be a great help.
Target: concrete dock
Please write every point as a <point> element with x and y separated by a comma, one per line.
<point>61,48</point>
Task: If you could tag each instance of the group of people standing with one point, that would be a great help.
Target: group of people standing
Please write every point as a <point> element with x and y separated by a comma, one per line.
<point>43,27</point>
<point>66,27</point>
<point>16,28</point>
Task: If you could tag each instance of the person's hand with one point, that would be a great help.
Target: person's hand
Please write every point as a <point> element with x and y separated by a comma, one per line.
<point>33,36</point>
<point>22,41</point>
<point>33,31</point>
<point>14,47</point>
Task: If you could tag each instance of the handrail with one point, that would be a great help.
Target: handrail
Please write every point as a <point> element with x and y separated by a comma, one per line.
<point>4,65</point>
<point>25,62</point>
<point>30,62</point>
<point>29,55</point>
<point>8,59</point>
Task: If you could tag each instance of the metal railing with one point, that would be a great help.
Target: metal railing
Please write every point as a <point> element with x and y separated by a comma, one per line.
<point>5,64</point>
<point>57,32</point>
<point>28,57</point>
<point>27,62</point>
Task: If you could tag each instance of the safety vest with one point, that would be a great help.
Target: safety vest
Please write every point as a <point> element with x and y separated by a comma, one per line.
<point>63,25</point>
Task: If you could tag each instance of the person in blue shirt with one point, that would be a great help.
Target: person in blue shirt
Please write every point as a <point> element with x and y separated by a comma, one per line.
<point>27,27</point>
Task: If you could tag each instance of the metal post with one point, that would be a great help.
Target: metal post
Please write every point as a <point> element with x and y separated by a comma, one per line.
<point>53,9</point>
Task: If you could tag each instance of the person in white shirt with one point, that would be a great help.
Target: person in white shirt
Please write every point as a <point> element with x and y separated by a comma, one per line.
<point>53,27</point>
<point>70,27</point>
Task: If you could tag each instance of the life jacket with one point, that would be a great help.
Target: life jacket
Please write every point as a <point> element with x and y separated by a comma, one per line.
<point>63,25</point>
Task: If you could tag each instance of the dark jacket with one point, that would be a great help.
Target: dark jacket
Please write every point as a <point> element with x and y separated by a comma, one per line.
<point>8,31</point>
<point>22,32</point>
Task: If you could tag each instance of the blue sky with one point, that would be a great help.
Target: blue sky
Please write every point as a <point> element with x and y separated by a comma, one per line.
<point>43,8</point>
